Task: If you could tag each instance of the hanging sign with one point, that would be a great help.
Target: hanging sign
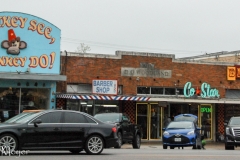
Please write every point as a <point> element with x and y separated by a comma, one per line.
<point>231,73</point>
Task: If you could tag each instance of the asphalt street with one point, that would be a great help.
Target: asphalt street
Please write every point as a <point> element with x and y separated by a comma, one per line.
<point>148,150</point>
<point>126,153</point>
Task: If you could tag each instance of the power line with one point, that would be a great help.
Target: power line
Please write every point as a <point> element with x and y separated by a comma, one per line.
<point>111,45</point>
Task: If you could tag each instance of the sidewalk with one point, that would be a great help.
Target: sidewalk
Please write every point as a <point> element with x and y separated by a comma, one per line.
<point>158,145</point>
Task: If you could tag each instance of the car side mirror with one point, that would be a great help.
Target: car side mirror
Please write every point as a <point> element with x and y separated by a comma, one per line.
<point>36,122</point>
<point>226,122</point>
<point>163,129</point>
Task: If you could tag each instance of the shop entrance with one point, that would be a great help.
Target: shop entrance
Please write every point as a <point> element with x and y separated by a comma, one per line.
<point>203,111</point>
<point>148,115</point>
<point>206,120</point>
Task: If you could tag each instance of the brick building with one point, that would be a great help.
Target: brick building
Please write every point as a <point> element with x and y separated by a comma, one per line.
<point>151,87</point>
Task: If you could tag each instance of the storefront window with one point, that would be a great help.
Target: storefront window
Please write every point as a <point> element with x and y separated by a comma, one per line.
<point>143,90</point>
<point>106,106</point>
<point>15,100</point>
<point>93,107</point>
<point>87,106</point>
<point>155,90</point>
<point>34,98</point>
<point>170,91</point>
<point>73,104</point>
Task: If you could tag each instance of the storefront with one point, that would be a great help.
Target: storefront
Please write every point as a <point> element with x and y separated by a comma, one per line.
<point>29,63</point>
<point>151,89</point>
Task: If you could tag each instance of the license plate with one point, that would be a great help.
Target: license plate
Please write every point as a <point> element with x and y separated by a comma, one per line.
<point>177,139</point>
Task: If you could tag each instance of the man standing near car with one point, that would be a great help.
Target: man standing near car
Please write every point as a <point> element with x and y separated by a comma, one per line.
<point>167,120</point>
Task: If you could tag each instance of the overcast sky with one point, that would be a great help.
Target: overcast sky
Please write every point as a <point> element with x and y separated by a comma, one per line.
<point>180,27</point>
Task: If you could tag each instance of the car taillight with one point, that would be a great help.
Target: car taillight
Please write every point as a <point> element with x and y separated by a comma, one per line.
<point>114,129</point>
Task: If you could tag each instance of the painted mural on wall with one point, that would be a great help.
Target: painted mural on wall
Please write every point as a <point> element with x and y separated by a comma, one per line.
<point>28,43</point>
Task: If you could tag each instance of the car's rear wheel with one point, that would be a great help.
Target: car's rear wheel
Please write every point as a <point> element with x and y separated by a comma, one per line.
<point>228,147</point>
<point>94,145</point>
<point>75,151</point>
<point>8,143</point>
<point>136,142</point>
<point>164,146</point>
<point>119,134</point>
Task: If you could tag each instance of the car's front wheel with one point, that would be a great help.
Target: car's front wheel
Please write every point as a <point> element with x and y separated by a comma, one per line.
<point>119,134</point>
<point>94,145</point>
<point>8,143</point>
<point>136,142</point>
<point>164,146</point>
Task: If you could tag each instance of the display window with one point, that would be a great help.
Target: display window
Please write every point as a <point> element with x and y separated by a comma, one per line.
<point>93,107</point>
<point>14,100</point>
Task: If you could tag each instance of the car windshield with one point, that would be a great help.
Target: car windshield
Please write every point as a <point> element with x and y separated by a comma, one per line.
<point>22,118</point>
<point>180,125</point>
<point>107,117</point>
<point>186,117</point>
<point>235,121</point>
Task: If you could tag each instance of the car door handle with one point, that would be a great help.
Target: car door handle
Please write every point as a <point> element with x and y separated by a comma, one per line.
<point>56,129</point>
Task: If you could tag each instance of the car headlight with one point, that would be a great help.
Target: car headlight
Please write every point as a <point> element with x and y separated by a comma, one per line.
<point>190,133</point>
<point>227,130</point>
<point>165,133</point>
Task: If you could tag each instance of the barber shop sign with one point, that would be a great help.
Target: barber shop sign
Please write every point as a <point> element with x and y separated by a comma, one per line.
<point>205,91</point>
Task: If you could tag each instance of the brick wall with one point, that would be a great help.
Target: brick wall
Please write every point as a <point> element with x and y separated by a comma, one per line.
<point>84,69</point>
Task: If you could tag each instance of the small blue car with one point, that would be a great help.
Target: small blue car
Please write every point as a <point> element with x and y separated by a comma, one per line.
<point>182,132</point>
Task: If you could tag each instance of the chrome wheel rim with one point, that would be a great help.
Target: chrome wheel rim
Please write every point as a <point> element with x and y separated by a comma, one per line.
<point>7,143</point>
<point>95,144</point>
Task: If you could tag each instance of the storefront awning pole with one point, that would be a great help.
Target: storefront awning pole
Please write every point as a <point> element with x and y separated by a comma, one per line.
<point>20,96</point>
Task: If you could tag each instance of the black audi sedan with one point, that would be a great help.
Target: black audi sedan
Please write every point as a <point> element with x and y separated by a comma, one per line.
<point>57,130</point>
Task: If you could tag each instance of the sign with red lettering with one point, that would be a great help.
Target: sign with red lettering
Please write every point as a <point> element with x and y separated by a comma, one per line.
<point>28,43</point>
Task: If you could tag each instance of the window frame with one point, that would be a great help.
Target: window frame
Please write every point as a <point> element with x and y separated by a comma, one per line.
<point>164,91</point>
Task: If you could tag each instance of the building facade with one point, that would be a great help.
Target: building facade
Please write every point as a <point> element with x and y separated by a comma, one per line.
<point>151,88</point>
<point>29,63</point>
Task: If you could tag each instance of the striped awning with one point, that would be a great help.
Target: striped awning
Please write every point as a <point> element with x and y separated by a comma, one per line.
<point>102,97</point>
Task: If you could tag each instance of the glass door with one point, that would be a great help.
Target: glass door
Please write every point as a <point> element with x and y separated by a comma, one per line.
<point>149,117</point>
<point>206,120</point>
<point>155,121</point>
<point>142,118</point>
